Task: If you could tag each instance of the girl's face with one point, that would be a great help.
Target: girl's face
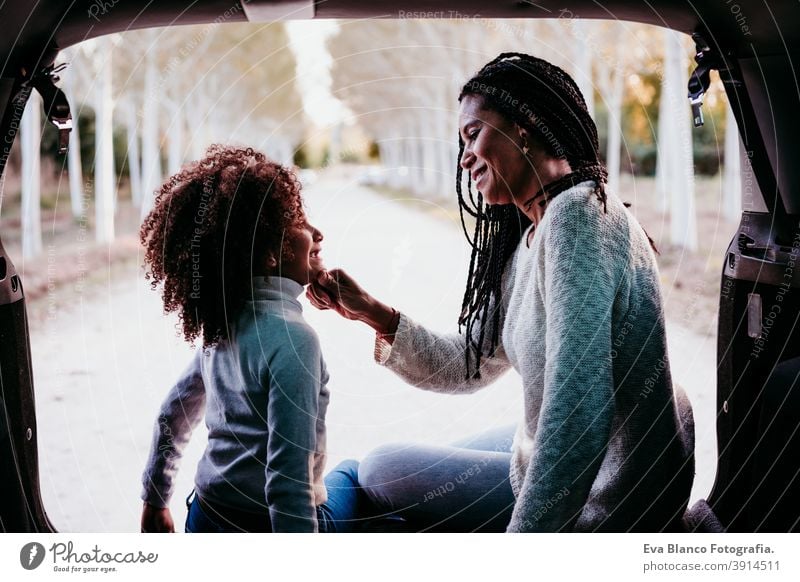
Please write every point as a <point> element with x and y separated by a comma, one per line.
<point>492,152</point>
<point>305,245</point>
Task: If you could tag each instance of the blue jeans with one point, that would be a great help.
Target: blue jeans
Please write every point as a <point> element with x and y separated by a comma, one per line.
<point>339,514</point>
<point>459,488</point>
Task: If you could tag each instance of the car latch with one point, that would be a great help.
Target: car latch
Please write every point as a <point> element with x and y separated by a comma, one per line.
<point>55,102</point>
<point>700,79</point>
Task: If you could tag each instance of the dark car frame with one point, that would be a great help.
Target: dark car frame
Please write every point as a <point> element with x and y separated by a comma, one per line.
<point>752,44</point>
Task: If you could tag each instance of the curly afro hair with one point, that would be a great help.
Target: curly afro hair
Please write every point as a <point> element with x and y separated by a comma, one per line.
<point>210,231</point>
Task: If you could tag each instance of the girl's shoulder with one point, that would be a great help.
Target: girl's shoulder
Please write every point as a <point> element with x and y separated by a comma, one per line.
<point>266,333</point>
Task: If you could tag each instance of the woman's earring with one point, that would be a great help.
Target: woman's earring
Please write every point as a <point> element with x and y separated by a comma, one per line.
<point>525,148</point>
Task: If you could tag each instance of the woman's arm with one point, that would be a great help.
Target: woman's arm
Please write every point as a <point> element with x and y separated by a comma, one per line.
<point>427,360</point>
<point>582,271</point>
<point>294,417</point>
<point>437,362</point>
<point>180,412</point>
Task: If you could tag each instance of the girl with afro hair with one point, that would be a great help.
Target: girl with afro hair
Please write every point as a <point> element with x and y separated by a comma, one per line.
<point>229,243</point>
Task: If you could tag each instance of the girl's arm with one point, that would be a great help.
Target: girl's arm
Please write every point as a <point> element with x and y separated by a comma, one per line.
<point>180,412</point>
<point>582,270</point>
<point>425,359</point>
<point>294,416</point>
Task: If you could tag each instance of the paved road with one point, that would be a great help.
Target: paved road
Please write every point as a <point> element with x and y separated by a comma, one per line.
<point>103,363</point>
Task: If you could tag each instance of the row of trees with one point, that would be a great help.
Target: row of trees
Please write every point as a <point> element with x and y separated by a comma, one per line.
<point>401,80</point>
<point>174,91</point>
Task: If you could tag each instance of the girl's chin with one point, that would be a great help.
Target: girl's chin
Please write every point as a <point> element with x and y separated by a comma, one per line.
<point>315,270</point>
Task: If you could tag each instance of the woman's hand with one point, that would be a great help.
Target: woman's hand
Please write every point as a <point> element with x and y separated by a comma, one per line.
<point>336,290</point>
<point>156,519</point>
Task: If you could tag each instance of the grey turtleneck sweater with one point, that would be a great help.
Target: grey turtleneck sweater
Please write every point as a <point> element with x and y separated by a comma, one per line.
<point>264,394</point>
<point>604,443</point>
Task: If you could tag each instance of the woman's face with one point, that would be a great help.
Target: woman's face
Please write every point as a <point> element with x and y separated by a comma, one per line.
<point>492,152</point>
<point>305,245</point>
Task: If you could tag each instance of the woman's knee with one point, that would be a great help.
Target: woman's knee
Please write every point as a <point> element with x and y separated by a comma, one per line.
<point>384,472</point>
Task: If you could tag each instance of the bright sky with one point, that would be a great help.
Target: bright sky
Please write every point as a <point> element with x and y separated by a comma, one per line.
<point>307,41</point>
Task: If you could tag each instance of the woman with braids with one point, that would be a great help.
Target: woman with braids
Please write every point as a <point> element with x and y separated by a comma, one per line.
<point>229,241</point>
<point>563,287</point>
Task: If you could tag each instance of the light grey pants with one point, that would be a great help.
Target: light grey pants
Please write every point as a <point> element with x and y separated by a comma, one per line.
<point>463,487</point>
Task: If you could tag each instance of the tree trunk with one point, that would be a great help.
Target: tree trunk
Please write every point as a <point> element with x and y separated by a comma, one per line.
<point>175,151</point>
<point>285,156</point>
<point>678,181</point>
<point>151,154</point>
<point>445,168</point>
<point>583,63</point>
<point>104,178</point>
<point>416,170</point>
<point>74,166</point>
<point>335,147</point>
<point>430,169</point>
<point>30,138</point>
<point>134,163</point>
<point>665,143</point>
<point>197,125</point>
<point>731,181</point>
<point>394,147</point>
<point>615,129</point>
<point>407,161</point>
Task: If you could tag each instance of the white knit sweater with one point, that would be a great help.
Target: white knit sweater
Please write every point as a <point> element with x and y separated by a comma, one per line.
<point>604,444</point>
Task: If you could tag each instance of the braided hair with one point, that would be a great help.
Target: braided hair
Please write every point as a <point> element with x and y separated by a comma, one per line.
<point>545,101</point>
